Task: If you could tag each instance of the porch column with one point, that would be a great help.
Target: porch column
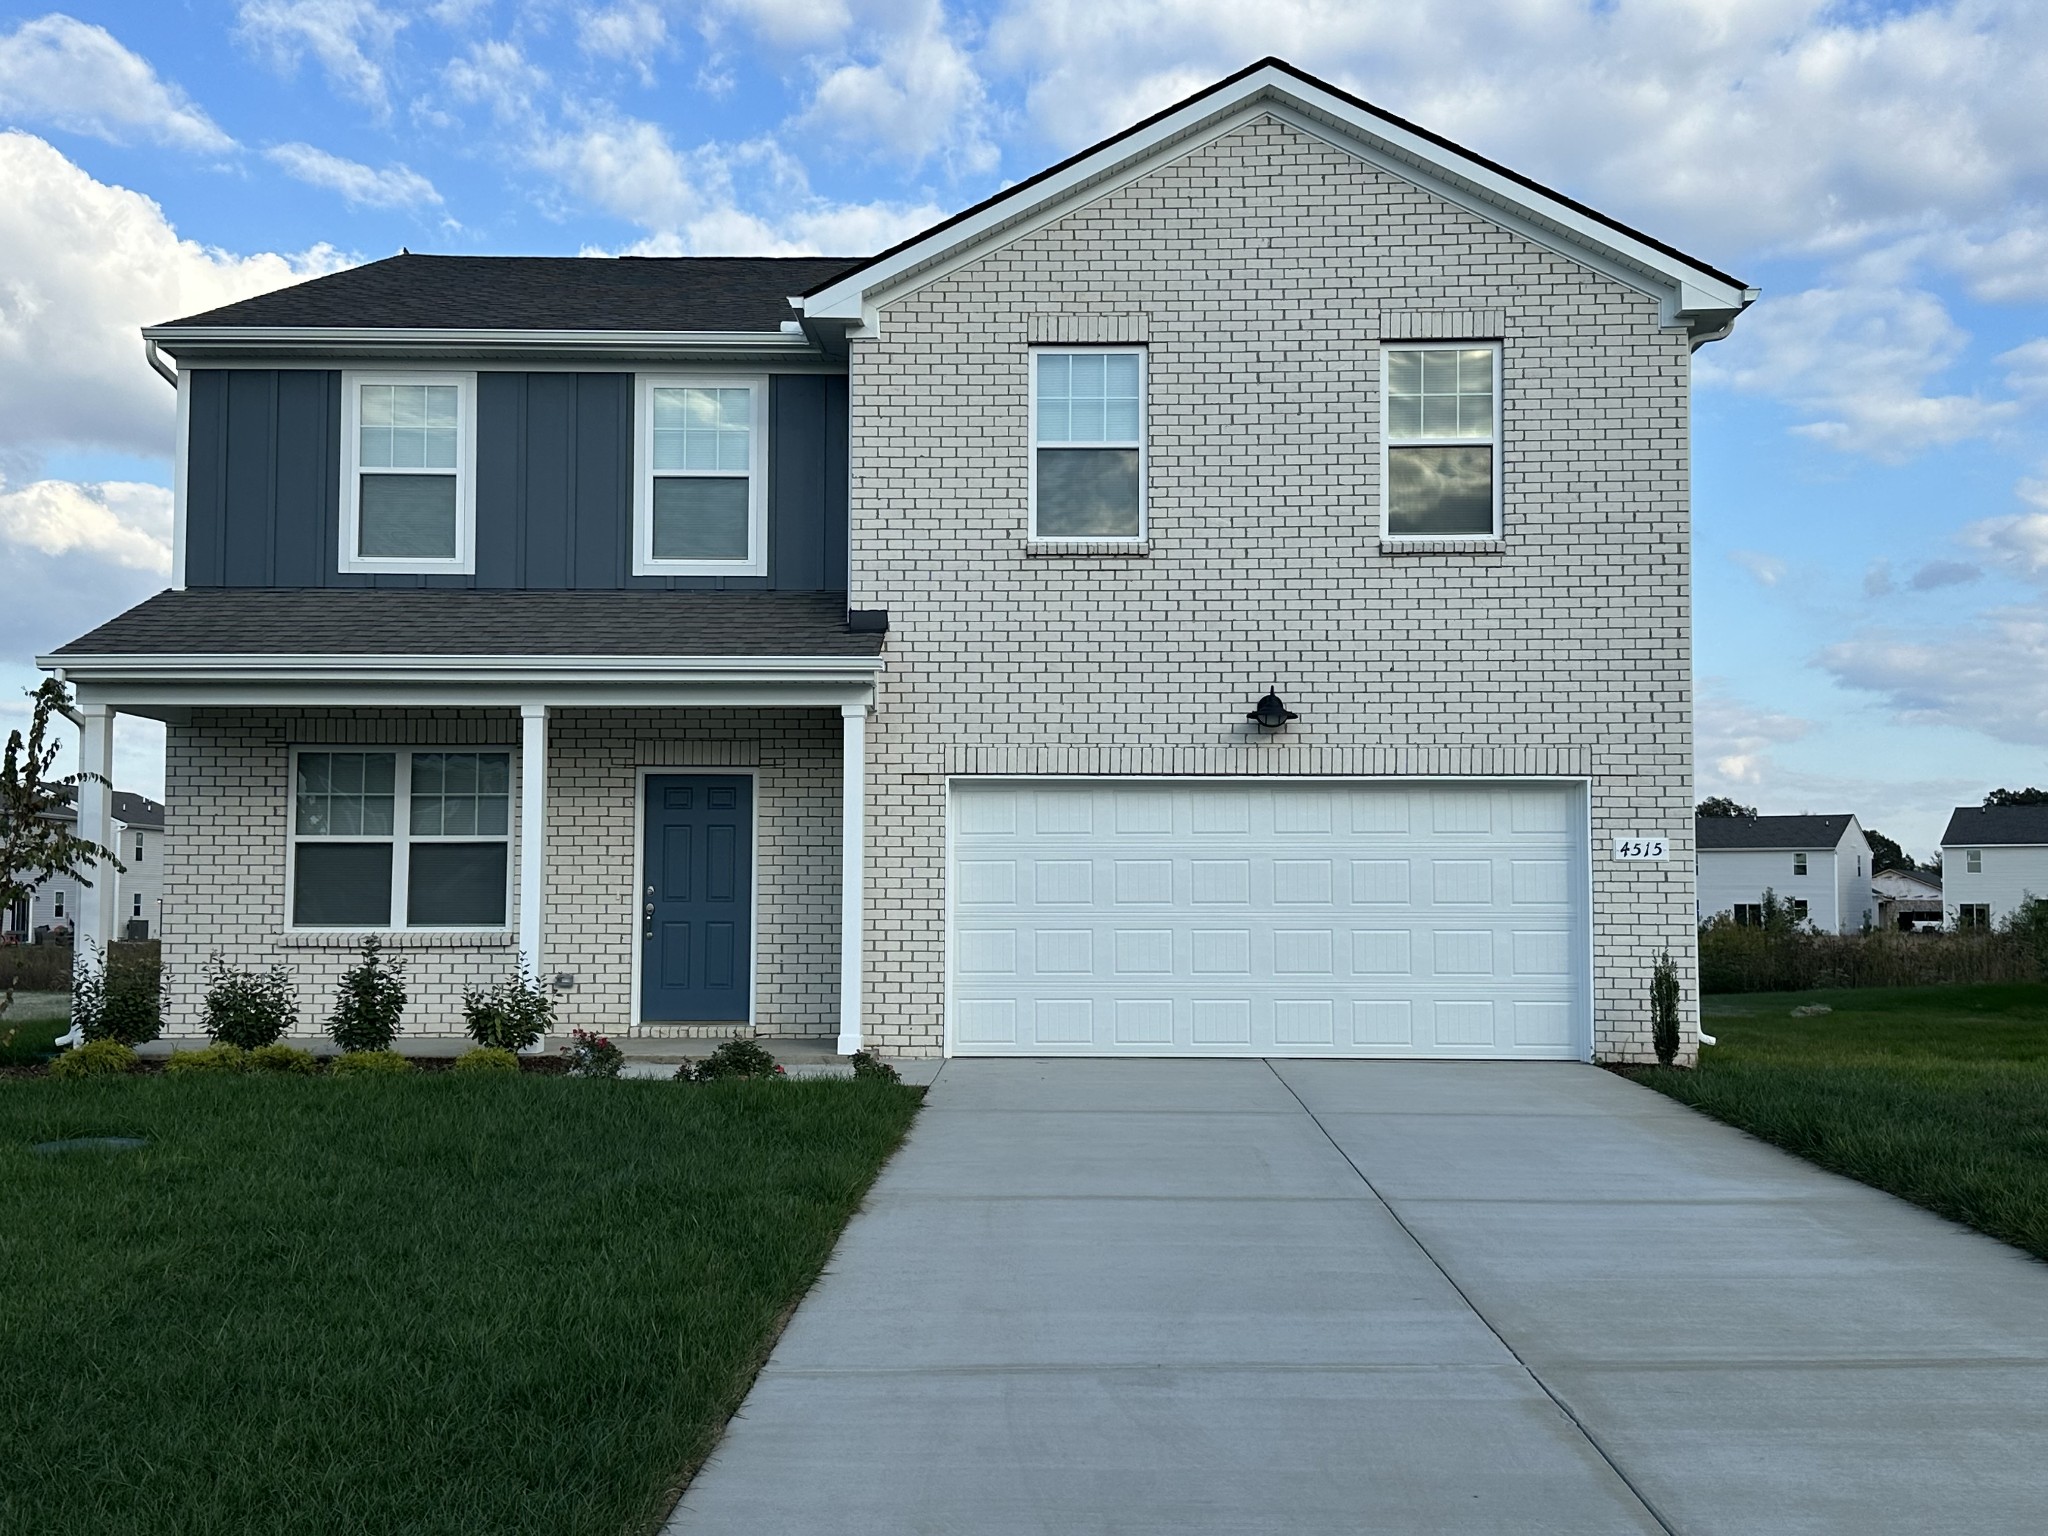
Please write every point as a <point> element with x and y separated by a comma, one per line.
<point>93,929</point>
<point>853,757</point>
<point>533,826</point>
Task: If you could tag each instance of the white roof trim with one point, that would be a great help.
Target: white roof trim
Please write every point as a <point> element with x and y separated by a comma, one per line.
<point>320,667</point>
<point>388,340</point>
<point>1685,288</point>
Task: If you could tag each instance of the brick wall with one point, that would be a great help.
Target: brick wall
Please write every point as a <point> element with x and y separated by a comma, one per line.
<point>1262,270</point>
<point>228,802</point>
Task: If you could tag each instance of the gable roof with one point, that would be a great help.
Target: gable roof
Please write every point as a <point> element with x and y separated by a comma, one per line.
<point>1712,833</point>
<point>1997,825</point>
<point>535,293</point>
<point>1706,297</point>
<point>1925,879</point>
<point>130,810</point>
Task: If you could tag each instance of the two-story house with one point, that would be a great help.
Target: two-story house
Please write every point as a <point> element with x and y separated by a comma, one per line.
<point>1818,865</point>
<point>1993,857</point>
<point>1227,594</point>
<point>52,909</point>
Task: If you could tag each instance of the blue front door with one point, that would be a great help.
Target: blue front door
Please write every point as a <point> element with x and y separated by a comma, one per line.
<point>696,903</point>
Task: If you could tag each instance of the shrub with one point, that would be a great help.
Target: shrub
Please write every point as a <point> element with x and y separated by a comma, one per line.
<point>122,997</point>
<point>368,1064</point>
<point>2028,924</point>
<point>1736,959</point>
<point>868,1064</point>
<point>283,1058</point>
<point>96,1058</point>
<point>739,1057</point>
<point>592,1055</point>
<point>1664,1008</point>
<point>509,1015</point>
<point>208,1059</point>
<point>248,1008</point>
<point>487,1059</point>
<point>369,1001</point>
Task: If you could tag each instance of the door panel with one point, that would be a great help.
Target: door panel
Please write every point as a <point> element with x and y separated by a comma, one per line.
<point>696,920</point>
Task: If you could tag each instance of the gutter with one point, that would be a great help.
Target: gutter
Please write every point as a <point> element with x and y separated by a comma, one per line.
<point>357,668</point>
<point>396,341</point>
<point>156,360</point>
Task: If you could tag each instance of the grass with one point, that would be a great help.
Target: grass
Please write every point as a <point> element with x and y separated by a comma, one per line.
<point>432,1305</point>
<point>1937,1094</point>
<point>31,1025</point>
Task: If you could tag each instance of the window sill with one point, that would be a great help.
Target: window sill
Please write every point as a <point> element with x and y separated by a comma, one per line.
<point>398,938</point>
<point>1102,549</point>
<point>1487,546</point>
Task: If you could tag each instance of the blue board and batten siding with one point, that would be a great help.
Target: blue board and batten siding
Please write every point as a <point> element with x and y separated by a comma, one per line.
<point>554,484</point>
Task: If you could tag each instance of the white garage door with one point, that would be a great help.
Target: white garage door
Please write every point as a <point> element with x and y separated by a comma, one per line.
<point>1219,918</point>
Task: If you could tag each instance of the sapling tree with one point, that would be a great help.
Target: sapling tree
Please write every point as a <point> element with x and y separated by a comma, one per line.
<point>1664,1008</point>
<point>38,842</point>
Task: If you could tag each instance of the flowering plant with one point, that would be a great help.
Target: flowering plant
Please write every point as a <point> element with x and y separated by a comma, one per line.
<point>592,1055</point>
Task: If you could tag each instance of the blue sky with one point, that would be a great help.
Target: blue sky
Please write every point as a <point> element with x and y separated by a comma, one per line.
<point>1871,465</point>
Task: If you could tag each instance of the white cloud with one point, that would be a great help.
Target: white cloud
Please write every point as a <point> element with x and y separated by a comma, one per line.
<point>349,38</point>
<point>122,522</point>
<point>2018,543</point>
<point>497,74</point>
<point>71,75</point>
<point>83,266</point>
<point>1989,675</point>
<point>785,24</point>
<point>2027,367</point>
<point>2008,266</point>
<point>1732,740</point>
<point>1768,570</point>
<point>396,186</point>
<point>912,93</point>
<point>631,32</point>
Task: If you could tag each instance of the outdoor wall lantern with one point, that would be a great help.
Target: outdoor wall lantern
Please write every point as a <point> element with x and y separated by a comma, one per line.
<point>1271,713</point>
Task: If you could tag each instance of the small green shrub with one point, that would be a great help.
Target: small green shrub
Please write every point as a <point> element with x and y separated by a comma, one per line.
<point>592,1055</point>
<point>96,1058</point>
<point>369,1002</point>
<point>487,1059</point>
<point>1664,1008</point>
<point>121,997</point>
<point>208,1059</point>
<point>249,1008</point>
<point>368,1064</point>
<point>868,1064</point>
<point>509,1015</point>
<point>283,1058</point>
<point>739,1057</point>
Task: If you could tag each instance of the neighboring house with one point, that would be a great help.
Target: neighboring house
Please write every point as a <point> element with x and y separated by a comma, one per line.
<point>1992,858</point>
<point>867,647</point>
<point>1907,898</point>
<point>53,907</point>
<point>1820,865</point>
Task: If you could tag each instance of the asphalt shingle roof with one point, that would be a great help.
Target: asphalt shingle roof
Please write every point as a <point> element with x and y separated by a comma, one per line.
<point>367,621</point>
<point>1713,832</point>
<point>544,293</point>
<point>1997,825</point>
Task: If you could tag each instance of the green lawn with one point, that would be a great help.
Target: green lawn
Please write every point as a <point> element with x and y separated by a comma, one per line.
<point>30,1026</point>
<point>431,1305</point>
<point>1938,1094</point>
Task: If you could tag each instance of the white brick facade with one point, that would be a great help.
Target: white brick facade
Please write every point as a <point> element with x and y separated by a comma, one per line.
<point>1263,270</point>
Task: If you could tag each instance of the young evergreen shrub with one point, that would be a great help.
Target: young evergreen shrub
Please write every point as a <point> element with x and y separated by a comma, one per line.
<point>1664,1008</point>
<point>369,1002</point>
<point>248,1008</point>
<point>96,1058</point>
<point>868,1064</point>
<point>368,1064</point>
<point>283,1058</point>
<point>489,1060</point>
<point>121,997</point>
<point>509,1015</point>
<point>207,1060</point>
<point>739,1057</point>
<point>592,1055</point>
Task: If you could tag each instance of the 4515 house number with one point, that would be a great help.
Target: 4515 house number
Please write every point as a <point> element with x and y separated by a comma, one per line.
<point>1642,848</point>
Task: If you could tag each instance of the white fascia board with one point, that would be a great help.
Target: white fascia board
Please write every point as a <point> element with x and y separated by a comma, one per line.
<point>387,341</point>
<point>1691,289</point>
<point>322,668</point>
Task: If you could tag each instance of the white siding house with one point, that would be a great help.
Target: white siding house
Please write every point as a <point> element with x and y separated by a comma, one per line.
<point>138,885</point>
<point>1820,863</point>
<point>1992,858</point>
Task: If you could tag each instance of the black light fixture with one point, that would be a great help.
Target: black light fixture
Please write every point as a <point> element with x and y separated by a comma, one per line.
<point>1271,712</point>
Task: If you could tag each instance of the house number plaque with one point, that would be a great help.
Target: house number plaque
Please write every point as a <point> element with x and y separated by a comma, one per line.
<point>1642,848</point>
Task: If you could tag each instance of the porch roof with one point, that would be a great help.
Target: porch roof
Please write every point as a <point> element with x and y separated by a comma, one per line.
<point>365,621</point>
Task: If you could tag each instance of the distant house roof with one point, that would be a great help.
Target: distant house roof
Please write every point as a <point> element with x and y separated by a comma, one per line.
<point>1998,825</point>
<point>1926,879</point>
<point>541,293</point>
<point>1721,832</point>
<point>130,810</point>
<point>369,621</point>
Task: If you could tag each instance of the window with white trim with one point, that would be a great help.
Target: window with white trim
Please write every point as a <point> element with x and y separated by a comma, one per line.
<point>136,910</point>
<point>1798,863</point>
<point>400,838</point>
<point>1974,916</point>
<point>701,454</point>
<point>57,906</point>
<point>1973,861</point>
<point>138,847</point>
<point>408,495</point>
<point>1440,440</point>
<point>1088,443</point>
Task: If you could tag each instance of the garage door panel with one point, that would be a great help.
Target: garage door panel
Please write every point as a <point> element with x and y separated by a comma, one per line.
<point>1231,919</point>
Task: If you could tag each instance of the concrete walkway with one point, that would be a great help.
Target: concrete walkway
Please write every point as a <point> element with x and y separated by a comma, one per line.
<point>1179,1297</point>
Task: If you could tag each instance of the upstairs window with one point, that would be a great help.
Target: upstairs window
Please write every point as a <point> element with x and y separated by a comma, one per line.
<point>1973,861</point>
<point>1088,443</point>
<point>408,461</point>
<point>1439,444</point>
<point>701,508</point>
<point>1798,863</point>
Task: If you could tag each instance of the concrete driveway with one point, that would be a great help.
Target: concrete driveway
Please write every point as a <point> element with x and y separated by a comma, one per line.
<point>1155,1296</point>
